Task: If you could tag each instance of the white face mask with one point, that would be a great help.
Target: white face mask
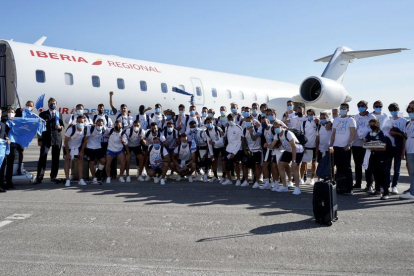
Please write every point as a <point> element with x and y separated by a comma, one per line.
<point>10,115</point>
<point>136,129</point>
<point>29,108</point>
<point>79,112</point>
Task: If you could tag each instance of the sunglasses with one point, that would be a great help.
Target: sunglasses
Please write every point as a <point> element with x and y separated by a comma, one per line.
<point>361,105</point>
<point>378,106</point>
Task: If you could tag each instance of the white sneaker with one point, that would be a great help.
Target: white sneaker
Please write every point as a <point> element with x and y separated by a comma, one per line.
<point>144,173</point>
<point>201,171</point>
<point>108,180</point>
<point>238,183</point>
<point>406,196</point>
<point>227,182</point>
<point>121,179</point>
<point>128,179</point>
<point>147,178</point>
<point>394,191</point>
<point>214,179</point>
<point>283,189</point>
<point>275,184</point>
<point>290,184</point>
<point>82,182</point>
<point>95,181</point>
<point>222,180</point>
<point>67,183</point>
<point>205,178</point>
<point>296,191</point>
<point>255,185</point>
<point>261,179</point>
<point>301,182</point>
<point>162,182</point>
<point>265,186</point>
<point>275,188</point>
<point>198,177</point>
<point>178,178</point>
<point>190,179</point>
<point>210,173</point>
<point>245,184</point>
<point>370,190</point>
<point>140,178</point>
<point>311,182</point>
<point>156,179</point>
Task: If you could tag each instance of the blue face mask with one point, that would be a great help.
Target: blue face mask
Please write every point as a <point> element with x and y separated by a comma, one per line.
<point>394,113</point>
<point>324,121</point>
<point>169,129</point>
<point>264,125</point>
<point>223,113</point>
<point>192,112</point>
<point>79,112</point>
<point>342,112</point>
<point>263,114</point>
<point>184,144</point>
<point>231,123</point>
<point>278,130</point>
<point>246,114</point>
<point>362,109</point>
<point>310,118</point>
<point>52,106</point>
<point>156,146</point>
<point>211,115</point>
<point>157,110</point>
<point>99,128</point>
<point>181,111</point>
<point>79,125</point>
<point>233,110</point>
<point>210,125</point>
<point>203,114</point>
<point>254,111</point>
<point>168,117</point>
<point>411,115</point>
<point>378,109</point>
<point>290,107</point>
<point>271,118</point>
<point>248,124</point>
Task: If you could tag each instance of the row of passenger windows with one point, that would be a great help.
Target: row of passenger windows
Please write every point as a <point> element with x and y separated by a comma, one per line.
<point>96,82</point>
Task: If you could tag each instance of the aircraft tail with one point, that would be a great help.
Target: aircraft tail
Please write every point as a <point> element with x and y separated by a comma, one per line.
<point>339,60</point>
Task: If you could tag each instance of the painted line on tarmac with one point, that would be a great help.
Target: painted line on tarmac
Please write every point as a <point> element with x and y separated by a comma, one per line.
<point>5,222</point>
<point>14,217</point>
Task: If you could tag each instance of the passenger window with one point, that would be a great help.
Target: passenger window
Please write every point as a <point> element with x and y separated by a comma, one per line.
<point>68,79</point>
<point>96,82</point>
<point>121,83</point>
<point>229,94</point>
<point>164,87</point>
<point>241,95</point>
<point>198,91</point>
<point>182,87</point>
<point>214,92</point>
<point>40,76</point>
<point>143,85</point>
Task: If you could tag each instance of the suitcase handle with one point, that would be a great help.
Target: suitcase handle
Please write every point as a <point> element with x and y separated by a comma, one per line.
<point>332,166</point>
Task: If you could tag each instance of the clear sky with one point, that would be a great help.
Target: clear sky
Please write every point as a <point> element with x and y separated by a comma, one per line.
<point>263,38</point>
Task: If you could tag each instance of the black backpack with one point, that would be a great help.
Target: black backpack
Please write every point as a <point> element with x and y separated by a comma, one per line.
<point>215,129</point>
<point>161,149</point>
<point>174,133</point>
<point>299,135</point>
<point>106,118</point>
<point>318,126</point>
<point>131,131</point>
<point>147,118</point>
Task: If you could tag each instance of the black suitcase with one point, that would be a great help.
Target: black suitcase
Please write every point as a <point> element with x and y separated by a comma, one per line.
<point>325,206</point>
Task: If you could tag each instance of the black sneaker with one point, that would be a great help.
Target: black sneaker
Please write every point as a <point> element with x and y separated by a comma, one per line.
<point>37,182</point>
<point>2,190</point>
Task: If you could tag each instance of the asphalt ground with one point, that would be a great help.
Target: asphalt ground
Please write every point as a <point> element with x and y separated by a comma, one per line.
<point>142,228</point>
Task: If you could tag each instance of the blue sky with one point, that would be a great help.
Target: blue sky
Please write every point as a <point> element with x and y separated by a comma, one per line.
<point>268,39</point>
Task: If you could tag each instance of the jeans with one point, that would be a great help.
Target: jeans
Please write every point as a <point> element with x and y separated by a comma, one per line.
<point>343,167</point>
<point>410,161</point>
<point>397,166</point>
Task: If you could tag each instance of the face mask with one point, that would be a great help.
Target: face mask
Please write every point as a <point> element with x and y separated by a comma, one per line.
<point>411,115</point>
<point>184,144</point>
<point>271,118</point>
<point>99,128</point>
<point>299,114</point>
<point>264,125</point>
<point>373,128</point>
<point>231,123</point>
<point>52,106</point>
<point>248,124</point>
<point>290,107</point>
<point>79,112</point>
<point>310,118</point>
<point>378,109</point>
<point>362,109</point>
<point>136,129</point>
<point>342,112</point>
<point>181,111</point>
<point>210,125</point>
<point>233,110</point>
<point>192,112</point>
<point>100,112</point>
<point>222,113</point>
<point>324,121</point>
<point>394,113</point>
<point>79,125</point>
<point>168,117</point>
<point>254,111</point>
<point>211,115</point>
<point>204,114</point>
<point>278,130</point>
<point>117,128</point>
<point>246,114</point>
<point>156,146</point>
<point>29,108</point>
<point>263,113</point>
<point>157,110</point>
<point>10,115</point>
<point>169,129</point>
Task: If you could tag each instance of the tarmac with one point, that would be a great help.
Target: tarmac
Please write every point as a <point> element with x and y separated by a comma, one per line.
<point>182,228</point>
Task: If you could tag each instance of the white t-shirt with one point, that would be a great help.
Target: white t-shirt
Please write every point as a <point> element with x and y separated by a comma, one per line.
<point>362,128</point>
<point>310,130</point>
<point>155,155</point>
<point>222,121</point>
<point>192,119</point>
<point>183,118</point>
<point>114,141</point>
<point>234,136</point>
<point>324,138</point>
<point>409,143</point>
<point>106,123</point>
<point>169,137</point>
<point>254,123</point>
<point>254,145</point>
<point>149,137</point>
<point>143,120</point>
<point>286,143</point>
<point>297,122</point>
<point>184,153</point>
<point>342,131</point>
<point>71,120</point>
<point>214,134</point>
<point>157,118</point>
<point>125,120</point>
<point>399,123</point>
<point>383,118</point>
<point>94,138</point>
<point>134,139</point>
<point>76,139</point>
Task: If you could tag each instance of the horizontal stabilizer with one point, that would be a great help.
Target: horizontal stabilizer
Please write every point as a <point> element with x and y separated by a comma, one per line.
<point>363,54</point>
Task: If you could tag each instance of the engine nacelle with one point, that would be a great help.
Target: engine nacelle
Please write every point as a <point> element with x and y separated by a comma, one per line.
<point>323,93</point>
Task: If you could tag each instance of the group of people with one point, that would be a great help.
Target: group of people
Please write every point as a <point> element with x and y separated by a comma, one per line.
<point>250,142</point>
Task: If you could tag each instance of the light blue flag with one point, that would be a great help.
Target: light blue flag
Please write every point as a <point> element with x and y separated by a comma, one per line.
<point>4,150</point>
<point>28,114</point>
<point>23,130</point>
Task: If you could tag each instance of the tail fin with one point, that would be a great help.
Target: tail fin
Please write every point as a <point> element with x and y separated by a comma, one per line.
<point>338,62</point>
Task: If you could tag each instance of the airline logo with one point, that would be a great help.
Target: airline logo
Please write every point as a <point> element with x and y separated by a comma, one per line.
<point>79,59</point>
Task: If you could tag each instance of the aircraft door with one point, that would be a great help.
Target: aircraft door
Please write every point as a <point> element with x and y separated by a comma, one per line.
<point>3,91</point>
<point>198,91</point>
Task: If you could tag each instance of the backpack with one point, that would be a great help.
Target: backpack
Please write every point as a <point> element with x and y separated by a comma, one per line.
<point>131,131</point>
<point>187,118</point>
<point>216,129</point>
<point>318,126</point>
<point>161,149</point>
<point>106,118</point>
<point>174,133</point>
<point>245,130</point>
<point>147,118</point>
<point>153,114</point>
<point>149,132</point>
<point>299,135</point>
<point>122,121</point>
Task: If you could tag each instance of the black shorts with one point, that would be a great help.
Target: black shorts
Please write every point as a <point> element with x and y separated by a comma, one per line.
<point>219,151</point>
<point>314,153</point>
<point>92,154</point>
<point>157,170</point>
<point>136,150</point>
<point>287,157</point>
<point>255,159</point>
<point>238,156</point>
<point>269,156</point>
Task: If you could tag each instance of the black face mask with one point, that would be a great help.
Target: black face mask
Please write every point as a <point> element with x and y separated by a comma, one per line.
<point>299,114</point>
<point>373,128</point>
<point>117,128</point>
<point>154,131</point>
<point>100,112</point>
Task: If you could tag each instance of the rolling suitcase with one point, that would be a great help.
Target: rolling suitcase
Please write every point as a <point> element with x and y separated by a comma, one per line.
<point>325,206</point>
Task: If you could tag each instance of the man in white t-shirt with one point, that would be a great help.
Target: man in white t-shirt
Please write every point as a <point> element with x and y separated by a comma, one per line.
<point>381,116</point>
<point>310,130</point>
<point>157,116</point>
<point>73,143</point>
<point>135,135</point>
<point>184,159</point>
<point>222,119</point>
<point>323,137</point>
<point>123,116</point>
<point>78,111</point>
<point>343,135</point>
<point>409,148</point>
<point>252,147</point>
<point>157,159</point>
<point>215,140</point>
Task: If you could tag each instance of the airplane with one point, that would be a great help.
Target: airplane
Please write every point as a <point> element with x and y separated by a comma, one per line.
<point>36,72</point>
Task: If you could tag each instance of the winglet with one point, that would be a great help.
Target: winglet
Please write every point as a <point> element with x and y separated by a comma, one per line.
<point>40,41</point>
